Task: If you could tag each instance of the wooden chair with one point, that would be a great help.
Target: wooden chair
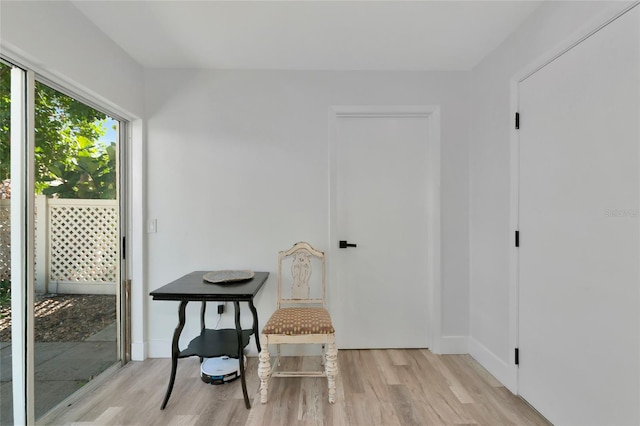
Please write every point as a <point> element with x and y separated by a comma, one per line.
<point>301,318</point>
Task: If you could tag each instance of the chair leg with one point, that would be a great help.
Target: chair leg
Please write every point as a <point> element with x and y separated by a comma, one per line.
<point>331,368</point>
<point>264,370</point>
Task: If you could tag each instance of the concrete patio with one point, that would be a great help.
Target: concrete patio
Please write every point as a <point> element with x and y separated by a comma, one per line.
<point>61,368</point>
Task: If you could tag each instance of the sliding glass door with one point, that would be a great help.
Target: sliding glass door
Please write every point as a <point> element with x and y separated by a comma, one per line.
<point>6,382</point>
<point>77,245</point>
<point>61,324</point>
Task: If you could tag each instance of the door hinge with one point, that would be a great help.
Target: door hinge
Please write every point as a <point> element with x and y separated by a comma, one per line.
<point>517,120</point>
<point>517,356</point>
<point>517,238</point>
<point>124,248</point>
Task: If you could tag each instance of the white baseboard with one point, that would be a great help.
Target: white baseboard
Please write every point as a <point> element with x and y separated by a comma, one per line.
<point>138,352</point>
<point>505,373</point>
<point>453,345</point>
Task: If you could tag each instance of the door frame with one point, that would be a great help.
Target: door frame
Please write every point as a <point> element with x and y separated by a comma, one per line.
<point>432,114</point>
<point>510,377</point>
<point>22,243</point>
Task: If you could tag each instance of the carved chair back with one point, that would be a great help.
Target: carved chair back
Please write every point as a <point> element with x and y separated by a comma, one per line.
<point>297,282</point>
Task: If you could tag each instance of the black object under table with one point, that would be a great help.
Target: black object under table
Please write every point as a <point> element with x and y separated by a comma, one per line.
<point>212,343</point>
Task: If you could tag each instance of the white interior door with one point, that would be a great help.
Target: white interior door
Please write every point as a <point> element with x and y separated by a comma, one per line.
<point>381,194</point>
<point>578,220</point>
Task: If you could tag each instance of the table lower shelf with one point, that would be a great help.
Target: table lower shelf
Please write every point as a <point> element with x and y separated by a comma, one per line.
<point>214,343</point>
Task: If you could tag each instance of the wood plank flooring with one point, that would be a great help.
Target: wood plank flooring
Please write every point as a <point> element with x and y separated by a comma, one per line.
<point>374,387</point>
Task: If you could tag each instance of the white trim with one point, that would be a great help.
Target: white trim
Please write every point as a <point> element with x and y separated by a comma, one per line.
<point>514,225</point>
<point>432,114</point>
<point>639,259</point>
<point>22,244</point>
<point>121,271</point>
<point>136,236</point>
<point>19,192</point>
<point>503,372</point>
<point>30,250</point>
<point>139,351</point>
<point>583,33</point>
<point>434,285</point>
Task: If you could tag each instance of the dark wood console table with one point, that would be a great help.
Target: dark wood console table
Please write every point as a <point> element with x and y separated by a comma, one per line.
<point>212,343</point>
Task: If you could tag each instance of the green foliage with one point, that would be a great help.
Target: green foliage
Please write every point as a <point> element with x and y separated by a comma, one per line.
<point>70,161</point>
<point>5,293</point>
<point>90,175</point>
<point>5,117</point>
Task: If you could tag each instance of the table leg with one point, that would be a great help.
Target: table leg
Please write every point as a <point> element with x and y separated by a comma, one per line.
<point>203,310</point>
<point>175,351</point>
<point>256,335</point>
<point>247,404</point>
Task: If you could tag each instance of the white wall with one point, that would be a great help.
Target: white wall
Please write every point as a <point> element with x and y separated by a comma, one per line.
<point>56,40</point>
<point>551,28</point>
<point>238,170</point>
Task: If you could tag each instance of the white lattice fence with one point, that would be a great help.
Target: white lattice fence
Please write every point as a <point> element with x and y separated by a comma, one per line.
<point>5,240</point>
<point>83,244</point>
<point>77,250</point>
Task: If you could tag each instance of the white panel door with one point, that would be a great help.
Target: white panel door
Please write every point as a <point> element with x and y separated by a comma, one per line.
<point>578,220</point>
<point>380,292</point>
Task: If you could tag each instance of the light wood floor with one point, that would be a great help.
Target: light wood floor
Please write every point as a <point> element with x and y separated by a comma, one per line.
<point>374,387</point>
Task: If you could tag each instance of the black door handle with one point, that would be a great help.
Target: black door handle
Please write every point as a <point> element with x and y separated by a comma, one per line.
<point>344,244</point>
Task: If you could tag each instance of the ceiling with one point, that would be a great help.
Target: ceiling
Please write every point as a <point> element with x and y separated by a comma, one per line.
<point>308,35</point>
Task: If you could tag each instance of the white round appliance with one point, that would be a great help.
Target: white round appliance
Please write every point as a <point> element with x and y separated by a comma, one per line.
<point>220,370</point>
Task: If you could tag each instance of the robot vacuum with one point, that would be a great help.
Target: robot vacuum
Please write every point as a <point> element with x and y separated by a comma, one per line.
<point>220,370</point>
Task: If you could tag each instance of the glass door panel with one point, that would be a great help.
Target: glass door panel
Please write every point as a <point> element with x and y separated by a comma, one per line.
<point>77,245</point>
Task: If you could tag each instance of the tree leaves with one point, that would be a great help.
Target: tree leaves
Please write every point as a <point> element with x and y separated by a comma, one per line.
<point>70,160</point>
